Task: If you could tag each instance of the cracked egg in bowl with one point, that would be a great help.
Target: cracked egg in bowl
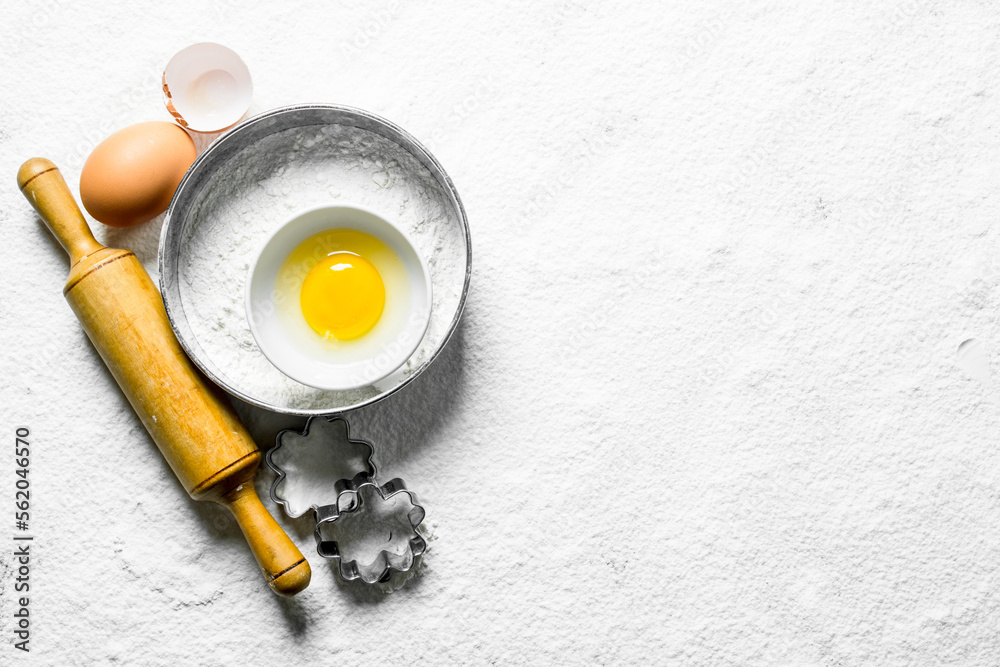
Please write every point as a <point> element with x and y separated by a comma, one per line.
<point>338,297</point>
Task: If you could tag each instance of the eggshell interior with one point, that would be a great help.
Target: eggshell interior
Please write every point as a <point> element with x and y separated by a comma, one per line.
<point>207,87</point>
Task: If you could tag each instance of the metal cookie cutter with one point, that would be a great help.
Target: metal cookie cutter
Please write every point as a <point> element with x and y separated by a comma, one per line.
<point>383,504</point>
<point>310,458</point>
<point>381,520</point>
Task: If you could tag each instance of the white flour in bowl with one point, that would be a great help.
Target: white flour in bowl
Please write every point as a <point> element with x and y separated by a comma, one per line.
<point>265,185</point>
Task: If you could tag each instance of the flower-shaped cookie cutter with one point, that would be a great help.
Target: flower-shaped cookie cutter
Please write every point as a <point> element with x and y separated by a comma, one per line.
<point>387,561</point>
<point>317,453</point>
<point>315,450</point>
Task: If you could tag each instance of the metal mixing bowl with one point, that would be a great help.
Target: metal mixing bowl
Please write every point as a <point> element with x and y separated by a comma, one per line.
<point>181,215</point>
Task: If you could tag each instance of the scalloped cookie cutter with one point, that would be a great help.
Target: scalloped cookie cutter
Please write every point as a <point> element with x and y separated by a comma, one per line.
<point>301,459</point>
<point>308,459</point>
<point>387,560</point>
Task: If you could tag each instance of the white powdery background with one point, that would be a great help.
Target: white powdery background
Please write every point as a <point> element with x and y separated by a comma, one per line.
<point>705,406</point>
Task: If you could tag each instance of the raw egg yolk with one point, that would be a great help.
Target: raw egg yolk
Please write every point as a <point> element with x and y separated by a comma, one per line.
<point>342,296</point>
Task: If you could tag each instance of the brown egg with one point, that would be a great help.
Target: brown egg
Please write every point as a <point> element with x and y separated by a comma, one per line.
<point>131,176</point>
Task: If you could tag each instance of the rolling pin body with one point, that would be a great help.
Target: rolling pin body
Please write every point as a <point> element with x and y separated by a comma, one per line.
<point>188,418</point>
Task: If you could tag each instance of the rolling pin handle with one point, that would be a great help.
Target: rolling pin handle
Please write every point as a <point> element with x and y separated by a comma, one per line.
<point>286,571</point>
<point>42,184</point>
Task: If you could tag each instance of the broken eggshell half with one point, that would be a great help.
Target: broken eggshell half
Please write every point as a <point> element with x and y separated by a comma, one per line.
<point>207,87</point>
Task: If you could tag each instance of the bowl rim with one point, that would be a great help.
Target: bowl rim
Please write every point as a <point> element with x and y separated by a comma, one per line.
<point>425,274</point>
<point>168,255</point>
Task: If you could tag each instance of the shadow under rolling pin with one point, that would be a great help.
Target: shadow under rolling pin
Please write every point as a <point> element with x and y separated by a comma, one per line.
<point>190,419</point>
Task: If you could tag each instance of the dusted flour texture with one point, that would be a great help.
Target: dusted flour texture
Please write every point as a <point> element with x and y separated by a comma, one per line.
<point>264,186</point>
<point>727,254</point>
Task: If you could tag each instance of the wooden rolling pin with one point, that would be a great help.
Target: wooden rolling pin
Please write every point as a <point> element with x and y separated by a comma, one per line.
<point>189,418</point>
